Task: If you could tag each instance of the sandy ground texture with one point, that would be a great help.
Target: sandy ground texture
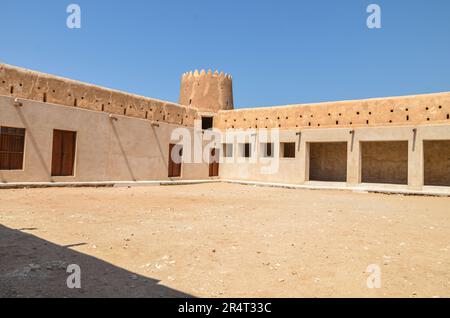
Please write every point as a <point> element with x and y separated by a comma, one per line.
<point>222,240</point>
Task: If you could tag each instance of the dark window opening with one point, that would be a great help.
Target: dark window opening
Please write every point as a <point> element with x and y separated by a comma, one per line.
<point>246,150</point>
<point>267,150</point>
<point>12,145</point>
<point>207,123</point>
<point>288,149</point>
<point>228,150</point>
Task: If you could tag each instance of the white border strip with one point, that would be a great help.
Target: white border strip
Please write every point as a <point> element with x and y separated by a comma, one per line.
<point>337,186</point>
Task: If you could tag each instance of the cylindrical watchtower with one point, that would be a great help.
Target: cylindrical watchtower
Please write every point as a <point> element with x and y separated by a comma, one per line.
<point>208,91</point>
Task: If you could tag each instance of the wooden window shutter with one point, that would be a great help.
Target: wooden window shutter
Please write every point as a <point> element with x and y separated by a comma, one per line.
<point>12,146</point>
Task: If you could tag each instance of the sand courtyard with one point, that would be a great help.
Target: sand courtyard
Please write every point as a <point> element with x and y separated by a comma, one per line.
<point>222,240</point>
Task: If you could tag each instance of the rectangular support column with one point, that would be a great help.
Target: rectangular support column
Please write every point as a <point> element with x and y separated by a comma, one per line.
<point>415,162</point>
<point>354,161</point>
<point>304,160</point>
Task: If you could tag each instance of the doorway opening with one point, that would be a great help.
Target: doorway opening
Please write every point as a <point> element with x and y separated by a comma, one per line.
<point>384,162</point>
<point>436,162</point>
<point>328,161</point>
<point>214,163</point>
<point>63,155</point>
<point>175,160</point>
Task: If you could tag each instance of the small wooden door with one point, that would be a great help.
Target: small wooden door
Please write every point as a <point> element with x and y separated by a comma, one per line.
<point>175,160</point>
<point>63,157</point>
<point>214,163</point>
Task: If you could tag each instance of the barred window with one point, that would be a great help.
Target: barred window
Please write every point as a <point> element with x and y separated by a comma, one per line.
<point>12,145</point>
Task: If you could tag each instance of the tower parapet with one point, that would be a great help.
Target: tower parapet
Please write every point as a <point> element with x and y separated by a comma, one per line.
<point>207,91</point>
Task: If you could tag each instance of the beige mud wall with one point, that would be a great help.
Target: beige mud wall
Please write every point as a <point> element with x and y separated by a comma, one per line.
<point>296,170</point>
<point>134,149</point>
<point>378,119</point>
<point>385,112</point>
<point>26,84</point>
<point>328,161</point>
<point>437,162</point>
<point>129,149</point>
<point>384,162</point>
<point>250,169</point>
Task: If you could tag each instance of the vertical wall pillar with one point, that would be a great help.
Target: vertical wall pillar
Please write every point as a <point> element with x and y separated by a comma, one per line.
<point>415,161</point>
<point>304,161</point>
<point>353,159</point>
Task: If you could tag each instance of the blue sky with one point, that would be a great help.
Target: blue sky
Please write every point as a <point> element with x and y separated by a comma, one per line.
<point>279,52</point>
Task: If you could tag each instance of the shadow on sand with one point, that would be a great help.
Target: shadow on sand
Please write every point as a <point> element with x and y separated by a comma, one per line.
<point>32,267</point>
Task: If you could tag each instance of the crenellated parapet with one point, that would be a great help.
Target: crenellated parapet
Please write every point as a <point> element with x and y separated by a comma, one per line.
<point>207,74</point>
<point>206,90</point>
